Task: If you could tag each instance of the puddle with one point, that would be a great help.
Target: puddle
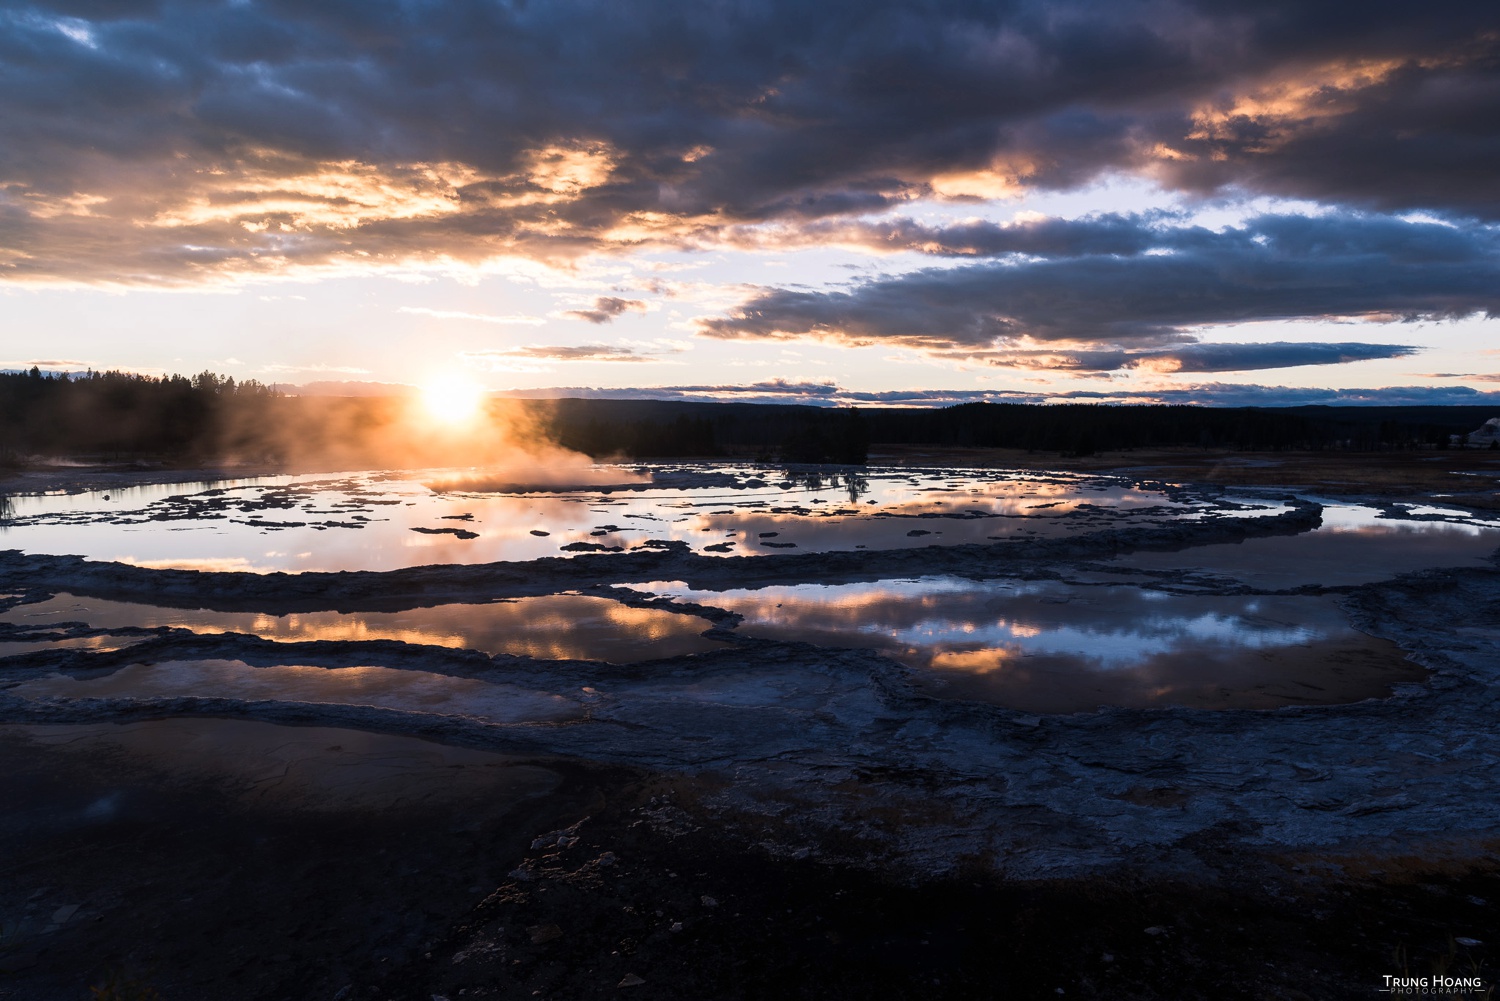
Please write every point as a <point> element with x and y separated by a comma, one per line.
<point>317,769</point>
<point>383,521</point>
<point>381,687</point>
<point>1355,545</point>
<point>556,627</point>
<point>1060,648</point>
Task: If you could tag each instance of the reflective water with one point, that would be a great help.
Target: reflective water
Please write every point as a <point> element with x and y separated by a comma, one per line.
<point>1057,648</point>
<point>380,521</point>
<point>1038,646</point>
<point>556,627</point>
<point>381,687</point>
<point>1355,545</point>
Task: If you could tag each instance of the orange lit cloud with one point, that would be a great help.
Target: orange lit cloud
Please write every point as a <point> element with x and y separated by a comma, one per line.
<point>191,146</point>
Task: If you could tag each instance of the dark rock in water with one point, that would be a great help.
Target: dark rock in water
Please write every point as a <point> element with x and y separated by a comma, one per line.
<point>666,545</point>
<point>721,547</point>
<point>539,533</point>
<point>779,545</point>
<point>461,533</point>
<point>458,517</point>
<point>590,547</point>
<point>918,531</point>
<point>769,535</point>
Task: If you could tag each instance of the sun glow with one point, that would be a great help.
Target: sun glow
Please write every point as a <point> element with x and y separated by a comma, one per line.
<point>452,401</point>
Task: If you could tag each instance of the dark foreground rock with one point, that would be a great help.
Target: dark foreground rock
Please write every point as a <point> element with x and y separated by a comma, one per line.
<point>121,877</point>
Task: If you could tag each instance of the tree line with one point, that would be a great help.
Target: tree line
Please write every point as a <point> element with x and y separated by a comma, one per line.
<point>123,413</point>
<point>209,416</point>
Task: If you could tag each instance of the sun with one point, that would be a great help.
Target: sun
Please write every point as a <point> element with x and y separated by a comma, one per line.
<point>452,400</point>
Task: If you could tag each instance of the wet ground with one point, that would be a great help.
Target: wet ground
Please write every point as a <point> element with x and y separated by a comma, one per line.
<point>1094,698</point>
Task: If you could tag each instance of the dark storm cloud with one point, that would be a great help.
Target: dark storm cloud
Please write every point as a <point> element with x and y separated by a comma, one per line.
<point>1279,354</point>
<point>1408,131</point>
<point>187,140</point>
<point>1272,268</point>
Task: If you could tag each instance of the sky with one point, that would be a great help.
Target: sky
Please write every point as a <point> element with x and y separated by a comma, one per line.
<point>869,203</point>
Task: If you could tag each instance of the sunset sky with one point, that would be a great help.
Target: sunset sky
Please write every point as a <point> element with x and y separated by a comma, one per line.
<point>869,202</point>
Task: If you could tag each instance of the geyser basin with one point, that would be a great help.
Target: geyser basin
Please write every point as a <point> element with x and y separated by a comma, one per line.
<point>556,627</point>
<point>1061,648</point>
<point>383,521</point>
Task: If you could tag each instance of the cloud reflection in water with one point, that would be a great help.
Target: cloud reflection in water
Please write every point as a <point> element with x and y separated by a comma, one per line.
<point>555,627</point>
<point>1052,647</point>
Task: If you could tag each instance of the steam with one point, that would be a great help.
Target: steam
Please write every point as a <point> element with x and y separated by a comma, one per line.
<point>508,445</point>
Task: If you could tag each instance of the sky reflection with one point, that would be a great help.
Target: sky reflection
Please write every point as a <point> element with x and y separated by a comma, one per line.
<point>555,627</point>
<point>1356,544</point>
<point>1052,647</point>
<point>382,521</point>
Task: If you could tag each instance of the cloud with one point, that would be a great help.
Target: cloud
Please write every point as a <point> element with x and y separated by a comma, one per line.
<point>1274,267</point>
<point>1232,395</point>
<point>606,308</point>
<point>549,352</point>
<point>1201,357</point>
<point>331,369</point>
<point>61,363</point>
<point>769,391</point>
<point>826,394</point>
<point>200,142</point>
<point>449,314</point>
<point>1345,128</point>
<point>1106,233</point>
<point>768,387</point>
<point>1205,394</point>
<point>347,388</point>
<point>632,352</point>
<point>1471,376</point>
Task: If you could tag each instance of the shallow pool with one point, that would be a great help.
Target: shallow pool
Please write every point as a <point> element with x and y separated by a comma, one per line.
<point>1047,646</point>
<point>389,520</point>
<point>555,627</point>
